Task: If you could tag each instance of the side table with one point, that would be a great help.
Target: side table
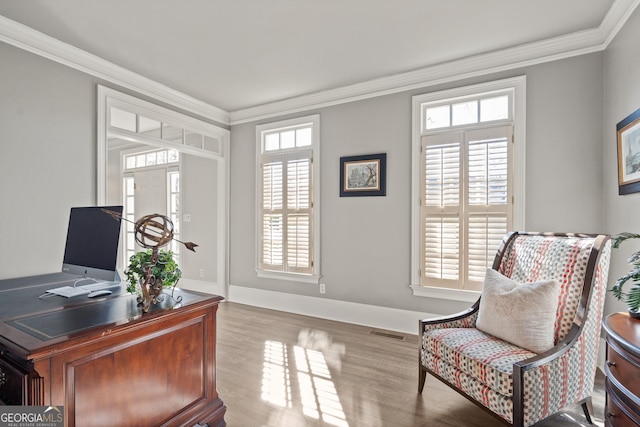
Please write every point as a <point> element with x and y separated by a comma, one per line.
<point>622,370</point>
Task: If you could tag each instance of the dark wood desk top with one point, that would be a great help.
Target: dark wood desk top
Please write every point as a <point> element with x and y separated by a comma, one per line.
<point>32,327</point>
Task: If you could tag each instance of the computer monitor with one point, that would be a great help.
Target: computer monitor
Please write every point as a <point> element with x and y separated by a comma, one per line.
<point>92,243</point>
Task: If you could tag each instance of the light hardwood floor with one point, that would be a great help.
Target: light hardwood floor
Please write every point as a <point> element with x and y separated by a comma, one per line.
<point>285,370</point>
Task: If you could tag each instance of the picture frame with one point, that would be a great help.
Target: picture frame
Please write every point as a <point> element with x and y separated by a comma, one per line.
<point>364,175</point>
<point>628,137</point>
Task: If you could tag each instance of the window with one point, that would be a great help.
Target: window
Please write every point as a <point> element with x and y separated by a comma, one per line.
<point>466,204</point>
<point>288,189</point>
<point>173,209</point>
<point>128,191</point>
<point>467,194</point>
<point>150,158</point>
<point>137,163</point>
<point>188,137</point>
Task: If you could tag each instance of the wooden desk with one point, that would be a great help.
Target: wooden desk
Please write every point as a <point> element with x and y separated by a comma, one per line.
<point>106,362</point>
<point>622,370</point>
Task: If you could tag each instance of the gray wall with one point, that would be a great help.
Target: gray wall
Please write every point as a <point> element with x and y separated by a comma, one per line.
<point>47,132</point>
<point>200,200</point>
<point>366,241</point>
<point>48,158</point>
<point>622,97</point>
<point>48,162</point>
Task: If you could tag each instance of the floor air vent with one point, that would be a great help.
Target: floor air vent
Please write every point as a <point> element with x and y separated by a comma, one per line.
<point>387,335</point>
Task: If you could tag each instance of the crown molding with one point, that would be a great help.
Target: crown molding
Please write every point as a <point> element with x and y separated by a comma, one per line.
<point>578,43</point>
<point>534,53</point>
<point>616,17</point>
<point>35,42</point>
<point>566,46</point>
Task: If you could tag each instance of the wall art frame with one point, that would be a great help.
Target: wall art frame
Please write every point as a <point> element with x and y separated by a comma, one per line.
<point>628,137</point>
<point>364,175</point>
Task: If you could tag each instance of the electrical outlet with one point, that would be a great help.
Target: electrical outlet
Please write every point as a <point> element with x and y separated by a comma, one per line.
<point>322,288</point>
<point>202,272</point>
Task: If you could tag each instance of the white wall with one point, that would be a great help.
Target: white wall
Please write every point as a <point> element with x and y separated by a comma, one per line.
<point>622,97</point>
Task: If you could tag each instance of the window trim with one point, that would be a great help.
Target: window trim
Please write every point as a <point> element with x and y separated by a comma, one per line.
<point>518,87</point>
<point>314,120</point>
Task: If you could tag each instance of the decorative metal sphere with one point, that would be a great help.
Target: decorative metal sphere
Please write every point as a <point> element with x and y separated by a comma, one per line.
<point>154,231</point>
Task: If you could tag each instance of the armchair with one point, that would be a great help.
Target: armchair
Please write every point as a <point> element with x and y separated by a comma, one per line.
<point>517,385</point>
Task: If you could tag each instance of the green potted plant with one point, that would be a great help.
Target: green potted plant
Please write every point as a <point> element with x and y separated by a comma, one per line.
<point>632,296</point>
<point>165,270</point>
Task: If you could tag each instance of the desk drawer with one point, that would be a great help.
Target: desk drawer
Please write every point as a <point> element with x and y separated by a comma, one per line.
<point>621,409</point>
<point>615,416</point>
<point>624,370</point>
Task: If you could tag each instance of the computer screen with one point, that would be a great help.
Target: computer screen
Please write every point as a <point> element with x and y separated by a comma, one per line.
<point>91,248</point>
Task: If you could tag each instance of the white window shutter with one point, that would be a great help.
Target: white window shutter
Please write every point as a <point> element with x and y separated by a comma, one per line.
<point>488,172</point>
<point>442,247</point>
<point>272,215</point>
<point>488,220</point>
<point>299,215</point>
<point>466,210</point>
<point>485,234</point>
<point>442,177</point>
<point>286,213</point>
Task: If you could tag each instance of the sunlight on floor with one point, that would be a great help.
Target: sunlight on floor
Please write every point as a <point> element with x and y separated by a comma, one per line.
<point>317,393</point>
<point>276,385</point>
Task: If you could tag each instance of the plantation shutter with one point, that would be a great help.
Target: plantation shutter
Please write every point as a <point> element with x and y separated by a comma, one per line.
<point>272,215</point>
<point>441,213</point>
<point>488,201</point>
<point>299,215</point>
<point>286,205</point>
<point>466,208</point>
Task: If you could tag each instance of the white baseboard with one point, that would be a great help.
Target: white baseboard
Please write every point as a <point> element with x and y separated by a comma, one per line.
<point>200,286</point>
<point>391,319</point>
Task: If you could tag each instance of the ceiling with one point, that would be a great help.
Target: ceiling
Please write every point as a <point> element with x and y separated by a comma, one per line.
<point>239,54</point>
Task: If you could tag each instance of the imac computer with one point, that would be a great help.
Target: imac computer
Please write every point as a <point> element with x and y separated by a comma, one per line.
<point>91,250</point>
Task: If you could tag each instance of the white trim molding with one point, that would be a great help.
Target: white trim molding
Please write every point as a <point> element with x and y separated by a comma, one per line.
<point>565,46</point>
<point>33,41</point>
<point>201,286</point>
<point>391,319</point>
<point>446,294</point>
<point>291,277</point>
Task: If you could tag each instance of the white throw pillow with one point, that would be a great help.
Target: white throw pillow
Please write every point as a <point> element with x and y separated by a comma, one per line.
<point>523,314</point>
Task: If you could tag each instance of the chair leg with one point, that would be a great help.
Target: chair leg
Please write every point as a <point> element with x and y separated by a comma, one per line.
<point>422,376</point>
<point>587,408</point>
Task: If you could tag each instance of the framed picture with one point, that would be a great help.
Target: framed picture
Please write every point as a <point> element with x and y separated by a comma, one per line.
<point>628,132</point>
<point>363,175</point>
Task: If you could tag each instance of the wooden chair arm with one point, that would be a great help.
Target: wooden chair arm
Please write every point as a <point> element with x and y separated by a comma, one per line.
<point>553,353</point>
<point>463,319</point>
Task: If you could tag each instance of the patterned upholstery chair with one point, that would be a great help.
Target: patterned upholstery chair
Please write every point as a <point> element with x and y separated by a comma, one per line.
<point>518,386</point>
